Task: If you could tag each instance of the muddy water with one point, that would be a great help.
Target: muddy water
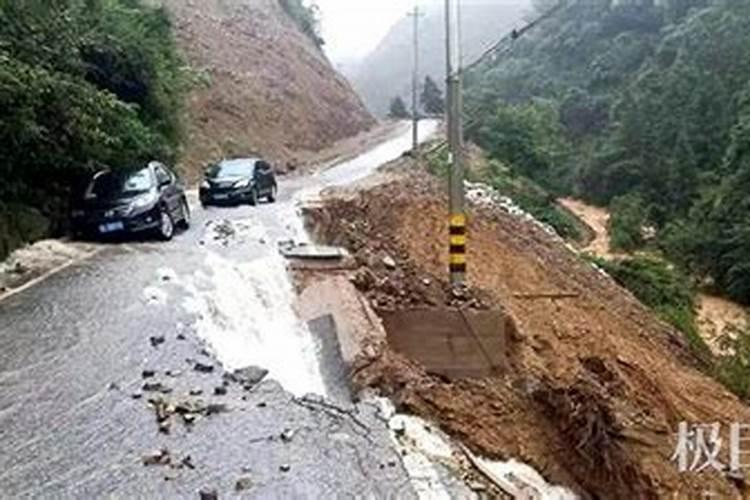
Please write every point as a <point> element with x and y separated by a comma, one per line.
<point>597,218</point>
<point>716,315</point>
<point>244,305</point>
<point>74,413</point>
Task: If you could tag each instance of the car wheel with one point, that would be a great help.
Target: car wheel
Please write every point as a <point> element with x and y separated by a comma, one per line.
<point>272,195</point>
<point>185,214</point>
<point>254,197</point>
<point>166,225</point>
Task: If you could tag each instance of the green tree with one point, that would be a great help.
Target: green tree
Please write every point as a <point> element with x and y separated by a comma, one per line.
<point>651,99</point>
<point>83,83</point>
<point>528,137</point>
<point>626,222</point>
<point>398,109</point>
<point>667,290</point>
<point>431,98</point>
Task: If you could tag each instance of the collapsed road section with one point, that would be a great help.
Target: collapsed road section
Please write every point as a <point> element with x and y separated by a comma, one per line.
<point>164,370</point>
<point>593,386</point>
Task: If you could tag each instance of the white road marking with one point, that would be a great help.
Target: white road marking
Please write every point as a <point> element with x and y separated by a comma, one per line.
<point>15,291</point>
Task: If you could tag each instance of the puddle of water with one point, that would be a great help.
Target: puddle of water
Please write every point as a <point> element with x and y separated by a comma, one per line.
<point>351,171</point>
<point>364,165</point>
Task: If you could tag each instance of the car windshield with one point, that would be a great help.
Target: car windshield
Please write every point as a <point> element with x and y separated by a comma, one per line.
<point>110,185</point>
<point>231,169</point>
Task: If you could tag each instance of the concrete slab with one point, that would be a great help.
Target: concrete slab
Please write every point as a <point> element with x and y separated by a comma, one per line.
<point>333,370</point>
<point>316,252</point>
<point>357,326</point>
<point>449,342</point>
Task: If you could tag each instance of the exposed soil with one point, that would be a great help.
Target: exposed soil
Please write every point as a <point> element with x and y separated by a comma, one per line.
<point>263,87</point>
<point>597,384</point>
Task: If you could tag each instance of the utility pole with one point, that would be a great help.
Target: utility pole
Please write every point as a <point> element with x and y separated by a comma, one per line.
<point>457,227</point>
<point>416,14</point>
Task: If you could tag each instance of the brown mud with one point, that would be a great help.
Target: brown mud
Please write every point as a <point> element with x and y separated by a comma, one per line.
<point>595,386</point>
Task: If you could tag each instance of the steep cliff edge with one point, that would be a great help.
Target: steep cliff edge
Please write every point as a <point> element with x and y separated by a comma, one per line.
<point>264,87</point>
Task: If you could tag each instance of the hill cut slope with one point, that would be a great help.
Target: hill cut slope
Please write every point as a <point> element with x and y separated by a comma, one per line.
<point>266,88</point>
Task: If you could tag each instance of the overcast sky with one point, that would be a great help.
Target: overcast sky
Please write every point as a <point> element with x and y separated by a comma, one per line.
<point>352,28</point>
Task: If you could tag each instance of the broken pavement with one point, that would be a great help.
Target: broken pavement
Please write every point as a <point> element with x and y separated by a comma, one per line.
<point>596,384</point>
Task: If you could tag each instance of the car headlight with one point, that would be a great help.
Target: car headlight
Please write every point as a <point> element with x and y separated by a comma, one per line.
<point>242,183</point>
<point>205,185</point>
<point>143,201</point>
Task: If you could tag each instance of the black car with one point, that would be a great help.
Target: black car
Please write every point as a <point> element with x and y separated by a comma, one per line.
<point>150,199</point>
<point>237,181</point>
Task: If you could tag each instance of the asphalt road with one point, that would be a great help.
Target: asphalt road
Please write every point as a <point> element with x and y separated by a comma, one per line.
<point>75,421</point>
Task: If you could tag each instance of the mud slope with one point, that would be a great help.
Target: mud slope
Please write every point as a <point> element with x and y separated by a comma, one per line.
<point>596,386</point>
<point>265,87</point>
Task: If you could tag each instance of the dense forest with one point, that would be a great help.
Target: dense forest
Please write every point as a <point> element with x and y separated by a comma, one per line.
<point>642,106</point>
<point>83,83</point>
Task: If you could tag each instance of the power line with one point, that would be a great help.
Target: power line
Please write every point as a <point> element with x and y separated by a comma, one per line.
<point>495,51</point>
<point>515,34</point>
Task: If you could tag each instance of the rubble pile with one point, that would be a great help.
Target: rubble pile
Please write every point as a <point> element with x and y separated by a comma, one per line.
<point>385,272</point>
<point>596,384</point>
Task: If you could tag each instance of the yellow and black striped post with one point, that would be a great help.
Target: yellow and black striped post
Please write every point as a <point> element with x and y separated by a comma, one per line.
<point>458,247</point>
<point>455,141</point>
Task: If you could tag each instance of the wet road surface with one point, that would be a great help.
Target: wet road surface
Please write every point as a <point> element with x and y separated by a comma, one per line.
<point>75,420</point>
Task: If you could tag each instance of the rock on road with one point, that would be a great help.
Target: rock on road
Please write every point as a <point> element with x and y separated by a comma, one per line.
<point>83,352</point>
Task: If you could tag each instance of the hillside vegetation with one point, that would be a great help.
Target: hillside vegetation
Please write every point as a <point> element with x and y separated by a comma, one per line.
<point>641,106</point>
<point>88,83</point>
<point>83,83</point>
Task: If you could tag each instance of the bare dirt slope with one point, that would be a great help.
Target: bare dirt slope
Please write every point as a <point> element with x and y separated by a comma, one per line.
<point>596,386</point>
<point>266,88</point>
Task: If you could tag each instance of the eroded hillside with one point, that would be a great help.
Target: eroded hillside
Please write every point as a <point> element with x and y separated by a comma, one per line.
<point>595,385</point>
<point>263,86</point>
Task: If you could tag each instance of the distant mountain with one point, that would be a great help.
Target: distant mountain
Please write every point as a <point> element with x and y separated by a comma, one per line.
<point>386,71</point>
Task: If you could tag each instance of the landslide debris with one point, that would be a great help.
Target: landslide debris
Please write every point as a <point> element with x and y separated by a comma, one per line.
<point>385,274</point>
<point>262,86</point>
<point>597,385</point>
